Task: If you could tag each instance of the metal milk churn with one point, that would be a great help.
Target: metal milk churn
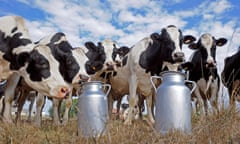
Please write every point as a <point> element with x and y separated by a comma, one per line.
<point>93,109</point>
<point>173,103</point>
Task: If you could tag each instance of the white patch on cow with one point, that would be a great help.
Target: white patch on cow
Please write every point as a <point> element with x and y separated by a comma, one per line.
<point>108,45</point>
<point>207,42</point>
<point>108,48</point>
<point>7,23</point>
<point>81,58</point>
<point>209,82</point>
<point>63,38</point>
<point>174,35</point>
<point>26,48</point>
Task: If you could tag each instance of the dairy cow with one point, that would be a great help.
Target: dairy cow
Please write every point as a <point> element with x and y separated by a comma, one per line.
<point>231,76</point>
<point>75,68</point>
<point>19,56</point>
<point>204,72</point>
<point>34,63</point>
<point>148,57</point>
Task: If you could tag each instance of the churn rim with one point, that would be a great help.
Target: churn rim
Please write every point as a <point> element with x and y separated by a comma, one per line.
<point>177,72</point>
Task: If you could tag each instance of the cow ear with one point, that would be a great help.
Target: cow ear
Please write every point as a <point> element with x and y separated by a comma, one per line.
<point>193,46</point>
<point>221,41</point>
<point>155,36</point>
<point>124,50</point>
<point>90,46</point>
<point>188,39</point>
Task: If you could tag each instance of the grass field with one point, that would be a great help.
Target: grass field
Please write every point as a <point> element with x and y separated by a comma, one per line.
<point>221,129</point>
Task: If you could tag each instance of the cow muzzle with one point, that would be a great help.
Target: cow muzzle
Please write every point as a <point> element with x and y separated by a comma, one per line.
<point>178,57</point>
<point>63,93</point>
<point>110,66</point>
<point>211,65</point>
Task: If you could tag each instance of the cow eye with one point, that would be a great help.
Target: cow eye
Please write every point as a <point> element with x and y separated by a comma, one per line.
<point>69,61</point>
<point>42,65</point>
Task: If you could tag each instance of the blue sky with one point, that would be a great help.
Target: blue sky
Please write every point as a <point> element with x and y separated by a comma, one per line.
<point>128,21</point>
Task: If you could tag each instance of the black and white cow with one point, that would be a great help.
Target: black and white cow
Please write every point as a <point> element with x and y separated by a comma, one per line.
<point>34,63</point>
<point>204,71</point>
<point>231,76</point>
<point>107,57</point>
<point>19,56</point>
<point>148,57</point>
<point>75,68</point>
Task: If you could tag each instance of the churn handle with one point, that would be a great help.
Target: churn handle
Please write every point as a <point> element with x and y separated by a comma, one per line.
<point>78,90</point>
<point>194,85</point>
<point>151,79</point>
<point>109,88</point>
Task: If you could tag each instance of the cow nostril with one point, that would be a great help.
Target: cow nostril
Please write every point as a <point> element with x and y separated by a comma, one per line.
<point>179,54</point>
<point>64,90</point>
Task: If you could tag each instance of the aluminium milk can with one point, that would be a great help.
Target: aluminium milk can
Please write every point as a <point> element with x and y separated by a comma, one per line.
<point>173,103</point>
<point>93,109</point>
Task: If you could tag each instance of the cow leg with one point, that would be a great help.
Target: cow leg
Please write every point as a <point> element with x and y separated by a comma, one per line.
<point>149,100</point>
<point>133,99</point>
<point>32,99</point>
<point>110,105</point>
<point>21,101</point>
<point>56,106</point>
<point>214,97</point>
<point>40,101</point>
<point>9,96</point>
<point>205,102</point>
<point>68,105</point>
<point>199,103</point>
<point>119,101</point>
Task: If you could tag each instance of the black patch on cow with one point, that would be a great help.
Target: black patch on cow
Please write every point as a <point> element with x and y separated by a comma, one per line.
<point>7,44</point>
<point>121,52</point>
<point>62,52</point>
<point>159,51</point>
<point>38,66</point>
<point>231,70</point>
<point>96,56</point>
<point>124,60</point>
<point>150,58</point>
<point>14,30</point>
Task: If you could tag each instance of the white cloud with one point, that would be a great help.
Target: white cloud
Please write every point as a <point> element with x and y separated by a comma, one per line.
<point>93,20</point>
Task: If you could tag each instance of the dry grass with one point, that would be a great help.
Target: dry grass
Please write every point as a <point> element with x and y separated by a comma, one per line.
<point>221,129</point>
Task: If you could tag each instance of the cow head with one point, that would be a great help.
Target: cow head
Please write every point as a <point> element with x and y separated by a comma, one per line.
<point>163,50</point>
<point>107,55</point>
<point>171,40</point>
<point>96,57</point>
<point>207,45</point>
<point>40,71</point>
<point>35,63</point>
<point>70,60</point>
